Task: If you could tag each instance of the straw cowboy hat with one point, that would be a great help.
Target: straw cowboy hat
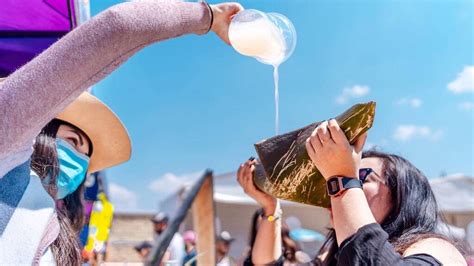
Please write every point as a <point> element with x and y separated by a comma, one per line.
<point>110,139</point>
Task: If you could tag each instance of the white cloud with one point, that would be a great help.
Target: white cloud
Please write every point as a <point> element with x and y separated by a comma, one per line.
<point>122,198</point>
<point>413,102</point>
<point>408,132</point>
<point>464,82</point>
<point>466,106</point>
<point>355,91</point>
<point>169,182</point>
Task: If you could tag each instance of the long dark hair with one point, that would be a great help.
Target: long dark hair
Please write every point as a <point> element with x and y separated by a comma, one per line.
<point>254,228</point>
<point>414,215</point>
<point>289,246</point>
<point>44,162</point>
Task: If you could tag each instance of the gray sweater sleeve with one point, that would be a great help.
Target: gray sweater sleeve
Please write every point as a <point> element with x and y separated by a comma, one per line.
<point>38,91</point>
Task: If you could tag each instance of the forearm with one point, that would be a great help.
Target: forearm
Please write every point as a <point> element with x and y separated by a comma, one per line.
<point>350,212</point>
<point>37,92</point>
<point>267,246</point>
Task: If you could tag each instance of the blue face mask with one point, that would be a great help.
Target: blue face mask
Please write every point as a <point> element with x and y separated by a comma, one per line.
<point>72,168</point>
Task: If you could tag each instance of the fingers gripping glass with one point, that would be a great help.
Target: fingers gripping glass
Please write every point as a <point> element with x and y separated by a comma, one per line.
<point>365,172</point>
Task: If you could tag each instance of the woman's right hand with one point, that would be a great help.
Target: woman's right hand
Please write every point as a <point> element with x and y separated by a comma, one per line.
<point>245,179</point>
<point>223,14</point>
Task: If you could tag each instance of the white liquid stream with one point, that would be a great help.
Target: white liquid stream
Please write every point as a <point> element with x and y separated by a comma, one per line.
<point>265,41</point>
<point>277,100</point>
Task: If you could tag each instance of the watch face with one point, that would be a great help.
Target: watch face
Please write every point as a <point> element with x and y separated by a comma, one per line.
<point>333,186</point>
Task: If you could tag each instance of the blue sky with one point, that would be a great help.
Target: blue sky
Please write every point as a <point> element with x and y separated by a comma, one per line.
<point>194,103</point>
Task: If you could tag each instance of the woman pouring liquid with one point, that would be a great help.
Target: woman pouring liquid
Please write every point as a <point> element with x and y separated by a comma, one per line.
<point>68,148</point>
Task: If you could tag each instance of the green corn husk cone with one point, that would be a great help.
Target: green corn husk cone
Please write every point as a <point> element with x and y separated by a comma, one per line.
<point>286,171</point>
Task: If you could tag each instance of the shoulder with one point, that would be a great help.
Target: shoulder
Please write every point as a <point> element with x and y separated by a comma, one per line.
<point>177,238</point>
<point>177,242</point>
<point>439,248</point>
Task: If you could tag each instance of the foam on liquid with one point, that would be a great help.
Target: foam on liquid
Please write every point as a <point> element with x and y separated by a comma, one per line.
<point>263,40</point>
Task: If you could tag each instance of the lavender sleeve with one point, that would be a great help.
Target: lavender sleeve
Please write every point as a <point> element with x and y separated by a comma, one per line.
<point>38,91</point>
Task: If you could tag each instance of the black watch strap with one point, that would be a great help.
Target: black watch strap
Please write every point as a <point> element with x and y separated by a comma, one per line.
<point>336,185</point>
<point>349,182</point>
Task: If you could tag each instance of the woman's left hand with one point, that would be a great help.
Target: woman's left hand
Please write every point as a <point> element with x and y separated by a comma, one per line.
<point>332,153</point>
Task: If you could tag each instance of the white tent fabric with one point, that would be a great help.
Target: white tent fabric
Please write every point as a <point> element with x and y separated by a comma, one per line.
<point>455,194</point>
<point>452,231</point>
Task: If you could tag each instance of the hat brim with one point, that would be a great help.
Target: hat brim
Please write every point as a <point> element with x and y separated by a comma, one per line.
<point>159,221</point>
<point>110,140</point>
<point>226,240</point>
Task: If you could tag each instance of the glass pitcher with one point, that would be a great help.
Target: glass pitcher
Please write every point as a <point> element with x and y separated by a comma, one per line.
<point>268,37</point>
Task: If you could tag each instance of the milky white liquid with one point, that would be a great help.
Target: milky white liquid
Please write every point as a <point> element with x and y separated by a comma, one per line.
<point>263,40</point>
<point>277,100</point>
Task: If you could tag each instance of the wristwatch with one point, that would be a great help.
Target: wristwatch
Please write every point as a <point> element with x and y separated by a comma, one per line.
<point>336,185</point>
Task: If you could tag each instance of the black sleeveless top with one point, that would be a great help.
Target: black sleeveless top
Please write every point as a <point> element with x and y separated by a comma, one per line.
<point>370,246</point>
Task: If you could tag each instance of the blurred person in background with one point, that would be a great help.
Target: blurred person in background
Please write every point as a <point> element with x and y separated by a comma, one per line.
<point>223,243</point>
<point>175,252</point>
<point>189,238</point>
<point>143,249</point>
<point>291,251</point>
